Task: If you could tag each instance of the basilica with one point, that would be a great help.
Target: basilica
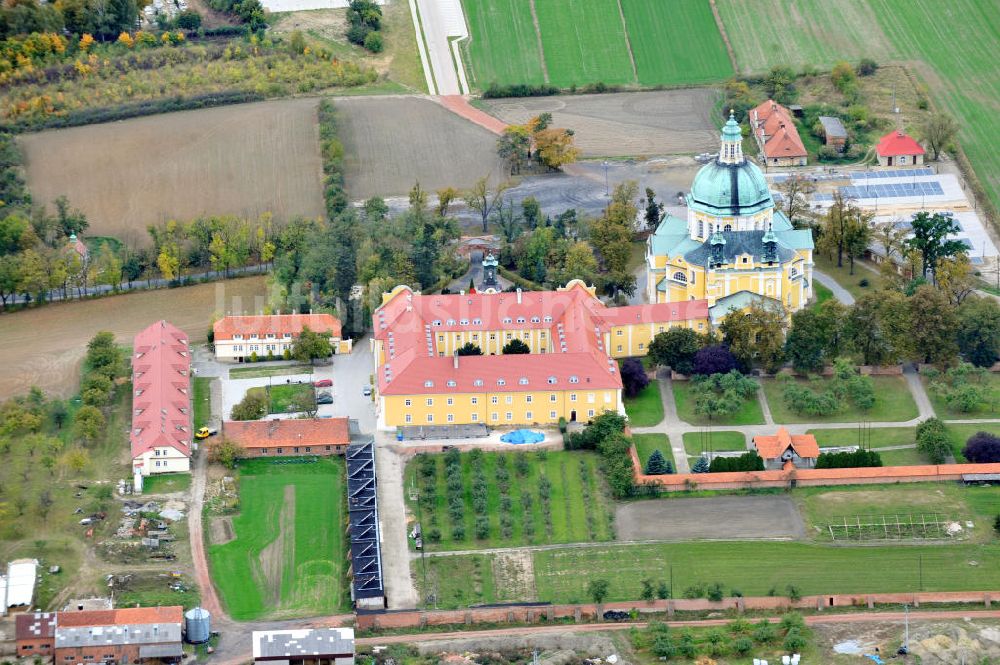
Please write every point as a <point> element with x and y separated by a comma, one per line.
<point>734,247</point>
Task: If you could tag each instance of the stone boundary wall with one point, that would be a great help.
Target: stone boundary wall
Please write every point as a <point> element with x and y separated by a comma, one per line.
<point>589,612</point>
<point>807,477</point>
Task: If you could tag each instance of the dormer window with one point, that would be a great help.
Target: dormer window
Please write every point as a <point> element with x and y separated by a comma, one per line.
<point>501,382</point>
<point>464,322</point>
<point>237,336</point>
<point>523,381</point>
<point>451,322</point>
<point>477,322</point>
<point>552,380</point>
<point>428,384</point>
<point>507,320</point>
<point>436,322</point>
<point>520,319</point>
<point>477,382</point>
<point>574,379</point>
<point>452,384</point>
<point>535,319</point>
<point>548,319</point>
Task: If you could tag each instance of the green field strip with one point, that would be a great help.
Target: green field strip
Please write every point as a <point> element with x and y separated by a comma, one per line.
<point>675,42</point>
<point>504,43</point>
<point>584,42</point>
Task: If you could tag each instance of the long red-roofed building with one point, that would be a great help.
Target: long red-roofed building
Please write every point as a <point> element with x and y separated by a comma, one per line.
<point>777,136</point>
<point>161,431</point>
<point>899,149</point>
<point>570,372</point>
<point>243,338</point>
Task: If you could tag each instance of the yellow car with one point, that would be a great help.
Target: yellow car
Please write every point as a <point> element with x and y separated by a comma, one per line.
<point>205,432</point>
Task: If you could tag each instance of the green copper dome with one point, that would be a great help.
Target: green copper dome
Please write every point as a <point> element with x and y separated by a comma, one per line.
<point>730,190</point>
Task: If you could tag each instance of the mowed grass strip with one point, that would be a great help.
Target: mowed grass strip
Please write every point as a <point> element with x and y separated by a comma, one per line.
<point>675,42</point>
<point>504,43</point>
<point>584,42</point>
<point>696,443</point>
<point>574,517</point>
<point>749,412</point>
<point>202,398</point>
<point>562,575</point>
<point>302,574</point>
<point>645,444</point>
<point>646,408</point>
<point>893,402</point>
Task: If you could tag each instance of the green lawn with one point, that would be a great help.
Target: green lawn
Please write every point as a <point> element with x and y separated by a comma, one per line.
<point>289,556</point>
<point>989,408</point>
<point>875,437</point>
<point>749,414</point>
<point>675,42</point>
<point>584,42</point>
<point>288,398</point>
<point>165,483</point>
<point>645,444</point>
<point>456,581</point>
<point>822,294</point>
<point>251,372</point>
<point>578,507</point>
<point>201,396</point>
<point>646,408</point>
<point>844,277</point>
<point>893,402</point>
<point>952,43</point>
<point>504,43</point>
<point>562,575</point>
<point>959,434</point>
<point>697,442</point>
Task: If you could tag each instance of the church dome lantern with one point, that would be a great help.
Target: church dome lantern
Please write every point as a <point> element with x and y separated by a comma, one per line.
<point>731,185</point>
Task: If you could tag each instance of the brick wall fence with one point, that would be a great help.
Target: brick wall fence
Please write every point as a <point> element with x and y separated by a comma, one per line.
<point>807,477</point>
<point>589,612</point>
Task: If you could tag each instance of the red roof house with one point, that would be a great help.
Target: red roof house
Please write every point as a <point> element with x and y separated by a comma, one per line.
<point>161,407</point>
<point>782,449</point>
<point>899,149</point>
<point>777,136</point>
<point>273,438</point>
<point>238,338</point>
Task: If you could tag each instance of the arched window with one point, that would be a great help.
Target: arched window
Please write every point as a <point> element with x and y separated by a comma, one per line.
<point>680,277</point>
<point>727,228</point>
<point>792,273</point>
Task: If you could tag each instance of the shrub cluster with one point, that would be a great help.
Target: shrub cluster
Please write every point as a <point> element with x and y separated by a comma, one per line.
<point>982,448</point>
<point>846,384</point>
<point>427,471</point>
<point>103,364</point>
<point>364,18</point>
<point>748,461</point>
<point>455,493</point>
<point>739,638</point>
<point>497,91</point>
<point>332,151</point>
<point>962,387</point>
<point>932,440</point>
<point>848,460</point>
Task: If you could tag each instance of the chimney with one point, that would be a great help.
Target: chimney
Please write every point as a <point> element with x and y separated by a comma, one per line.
<point>455,360</point>
<point>519,296</point>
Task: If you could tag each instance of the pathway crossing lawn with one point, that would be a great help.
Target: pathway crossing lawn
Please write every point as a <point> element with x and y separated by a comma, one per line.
<point>504,43</point>
<point>822,294</point>
<point>645,444</point>
<point>584,42</point>
<point>288,557</point>
<point>844,277</point>
<point>562,575</point>
<point>988,408</point>
<point>578,506</point>
<point>959,434</point>
<point>675,42</point>
<point>202,398</point>
<point>646,408</point>
<point>893,402</point>
<point>695,443</point>
<point>749,414</point>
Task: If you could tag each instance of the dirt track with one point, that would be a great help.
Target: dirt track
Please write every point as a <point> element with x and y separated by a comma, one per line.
<point>729,517</point>
<point>43,347</point>
<point>628,123</point>
<point>392,142</point>
<point>241,160</point>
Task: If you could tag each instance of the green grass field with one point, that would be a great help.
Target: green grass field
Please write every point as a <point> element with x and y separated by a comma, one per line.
<point>584,42</point>
<point>288,398</point>
<point>875,437</point>
<point>822,294</point>
<point>645,444</point>
<point>562,575</point>
<point>959,434</point>
<point>579,509</point>
<point>251,372</point>
<point>288,557</point>
<point>843,276</point>
<point>697,442</point>
<point>989,408</point>
<point>675,42</point>
<point>893,403</point>
<point>748,414</point>
<point>949,45</point>
<point>201,396</point>
<point>504,46</point>
<point>646,408</point>
<point>165,483</point>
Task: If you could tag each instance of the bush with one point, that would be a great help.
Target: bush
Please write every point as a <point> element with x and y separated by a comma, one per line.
<point>867,67</point>
<point>496,91</point>
<point>764,633</point>
<point>932,441</point>
<point>664,647</point>
<point>742,646</point>
<point>253,406</point>
<point>715,359</point>
<point>864,283</point>
<point>701,466</point>
<point>634,377</point>
<point>225,452</point>
<point>794,641</point>
<point>189,20</point>
<point>657,465</point>
<point>748,461</point>
<point>982,448</point>
<point>846,460</point>
<point>714,592</point>
<point>373,42</point>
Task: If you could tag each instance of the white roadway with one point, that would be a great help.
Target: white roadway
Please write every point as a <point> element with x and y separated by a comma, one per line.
<point>439,20</point>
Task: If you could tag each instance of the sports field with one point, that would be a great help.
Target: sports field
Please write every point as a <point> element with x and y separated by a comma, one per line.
<point>646,42</point>
<point>288,555</point>
<point>949,45</point>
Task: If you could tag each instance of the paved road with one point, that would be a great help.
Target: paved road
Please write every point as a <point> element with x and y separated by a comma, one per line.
<point>399,588</point>
<point>839,292</point>
<point>441,19</point>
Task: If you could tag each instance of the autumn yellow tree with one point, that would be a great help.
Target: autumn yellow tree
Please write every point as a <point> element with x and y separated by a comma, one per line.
<point>126,39</point>
<point>86,42</point>
<point>554,147</point>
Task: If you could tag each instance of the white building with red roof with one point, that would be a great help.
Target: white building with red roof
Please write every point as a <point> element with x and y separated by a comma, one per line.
<point>570,372</point>
<point>777,136</point>
<point>161,431</point>
<point>899,149</point>
<point>264,336</point>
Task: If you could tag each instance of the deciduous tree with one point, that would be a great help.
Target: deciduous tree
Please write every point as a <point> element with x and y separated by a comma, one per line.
<point>930,239</point>
<point>676,349</point>
<point>755,336</point>
<point>938,130</point>
<point>978,335</point>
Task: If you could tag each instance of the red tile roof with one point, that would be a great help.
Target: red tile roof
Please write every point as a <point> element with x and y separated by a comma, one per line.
<point>123,616</point>
<point>774,125</point>
<point>161,414</point>
<point>277,324</point>
<point>772,447</point>
<point>576,322</point>
<point>297,432</point>
<point>897,143</point>
<point>34,625</point>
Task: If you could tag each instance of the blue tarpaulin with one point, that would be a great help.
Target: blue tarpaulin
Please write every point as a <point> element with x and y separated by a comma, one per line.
<point>523,436</point>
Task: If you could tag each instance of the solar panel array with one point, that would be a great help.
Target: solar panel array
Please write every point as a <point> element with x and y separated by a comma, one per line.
<point>362,507</point>
<point>885,191</point>
<point>899,173</point>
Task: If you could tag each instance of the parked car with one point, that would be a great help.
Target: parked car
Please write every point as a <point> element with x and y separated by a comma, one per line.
<point>323,383</point>
<point>325,398</point>
<point>205,432</point>
<point>366,391</point>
